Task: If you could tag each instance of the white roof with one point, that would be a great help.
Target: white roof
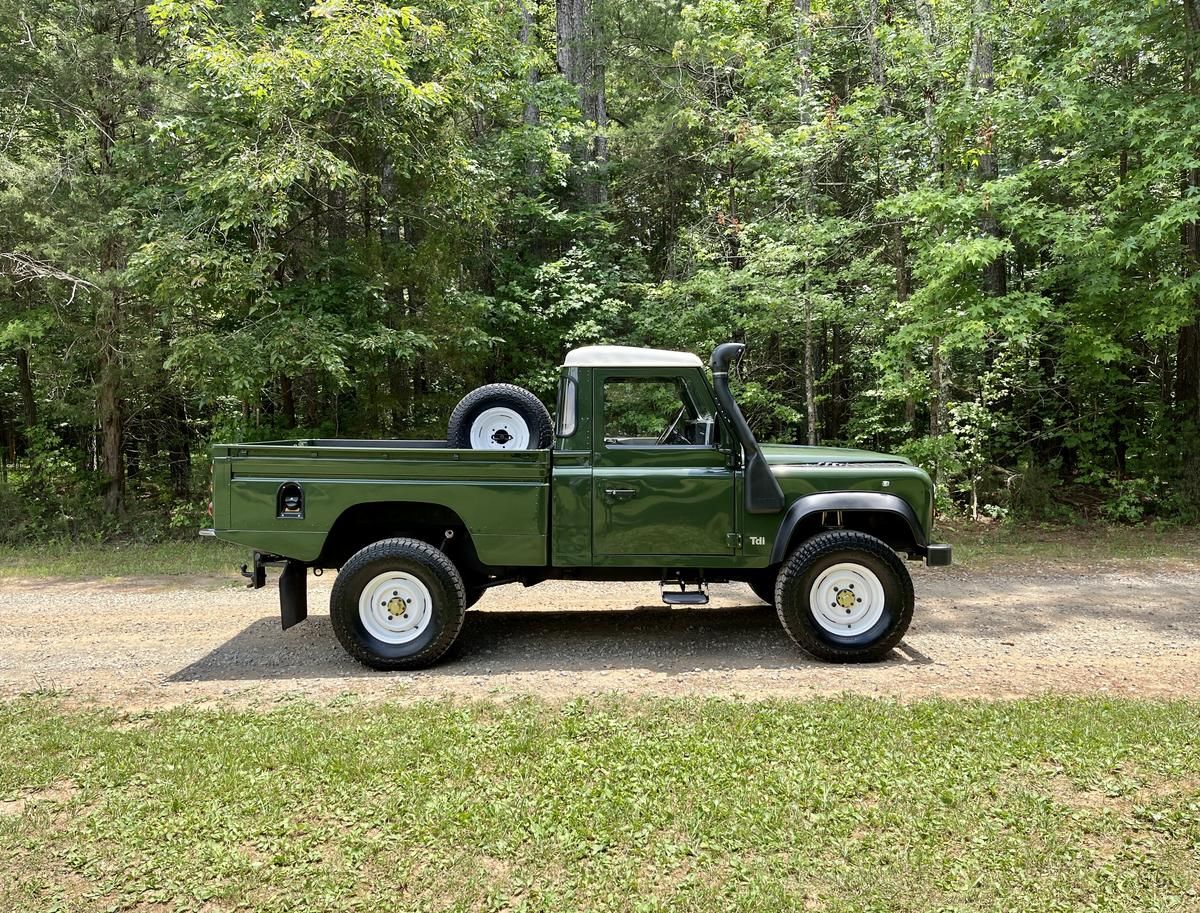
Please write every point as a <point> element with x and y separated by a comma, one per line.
<point>629,357</point>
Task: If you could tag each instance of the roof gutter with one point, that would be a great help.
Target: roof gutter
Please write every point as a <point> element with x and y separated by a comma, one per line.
<point>763,494</point>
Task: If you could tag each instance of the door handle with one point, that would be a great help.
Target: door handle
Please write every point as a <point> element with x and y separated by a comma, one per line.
<point>620,494</point>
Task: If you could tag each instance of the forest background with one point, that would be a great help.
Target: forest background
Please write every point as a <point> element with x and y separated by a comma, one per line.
<point>964,230</point>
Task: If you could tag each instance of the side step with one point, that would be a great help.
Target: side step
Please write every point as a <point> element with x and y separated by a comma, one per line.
<point>684,596</point>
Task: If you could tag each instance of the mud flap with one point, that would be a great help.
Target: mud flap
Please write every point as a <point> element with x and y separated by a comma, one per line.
<point>293,594</point>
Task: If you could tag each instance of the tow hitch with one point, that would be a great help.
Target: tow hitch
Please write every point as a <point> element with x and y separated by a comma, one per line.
<point>258,576</point>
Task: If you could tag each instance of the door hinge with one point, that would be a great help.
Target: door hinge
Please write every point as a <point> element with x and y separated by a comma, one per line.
<point>733,540</point>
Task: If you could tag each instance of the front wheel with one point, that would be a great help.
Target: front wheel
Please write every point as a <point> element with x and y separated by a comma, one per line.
<point>397,604</point>
<point>845,597</point>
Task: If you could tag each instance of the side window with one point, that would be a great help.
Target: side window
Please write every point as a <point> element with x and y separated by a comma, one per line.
<point>567,395</point>
<point>650,411</point>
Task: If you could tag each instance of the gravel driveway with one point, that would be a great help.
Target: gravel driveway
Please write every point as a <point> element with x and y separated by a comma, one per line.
<point>1131,629</point>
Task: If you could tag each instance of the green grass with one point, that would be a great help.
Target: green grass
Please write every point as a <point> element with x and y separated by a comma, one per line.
<point>975,545</point>
<point>978,544</point>
<point>724,806</point>
<point>133,559</point>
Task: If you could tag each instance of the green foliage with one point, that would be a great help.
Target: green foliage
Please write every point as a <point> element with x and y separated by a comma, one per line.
<point>263,218</point>
<point>642,408</point>
<point>50,497</point>
<point>1032,490</point>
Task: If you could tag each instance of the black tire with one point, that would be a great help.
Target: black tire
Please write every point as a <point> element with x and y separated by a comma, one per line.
<point>430,566</point>
<point>508,396</point>
<point>763,586</point>
<point>804,568</point>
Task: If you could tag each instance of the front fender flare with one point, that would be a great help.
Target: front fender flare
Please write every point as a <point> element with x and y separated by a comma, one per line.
<point>858,501</point>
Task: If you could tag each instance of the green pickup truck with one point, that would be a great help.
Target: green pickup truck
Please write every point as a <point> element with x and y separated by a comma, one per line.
<point>648,471</point>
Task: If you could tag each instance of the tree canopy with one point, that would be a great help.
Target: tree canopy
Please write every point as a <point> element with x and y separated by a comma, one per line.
<point>967,231</point>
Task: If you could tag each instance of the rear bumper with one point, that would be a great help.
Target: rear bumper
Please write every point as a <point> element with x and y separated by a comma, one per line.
<point>937,555</point>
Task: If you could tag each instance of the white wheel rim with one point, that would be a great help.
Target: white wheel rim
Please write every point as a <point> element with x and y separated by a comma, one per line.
<point>846,599</point>
<point>499,428</point>
<point>395,607</point>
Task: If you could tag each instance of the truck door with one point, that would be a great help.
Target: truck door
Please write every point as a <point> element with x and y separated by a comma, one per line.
<point>661,486</point>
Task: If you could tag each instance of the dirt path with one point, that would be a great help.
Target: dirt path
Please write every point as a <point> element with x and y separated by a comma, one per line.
<point>1121,629</point>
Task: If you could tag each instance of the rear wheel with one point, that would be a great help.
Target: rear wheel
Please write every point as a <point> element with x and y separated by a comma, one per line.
<point>845,597</point>
<point>397,604</point>
<point>500,417</point>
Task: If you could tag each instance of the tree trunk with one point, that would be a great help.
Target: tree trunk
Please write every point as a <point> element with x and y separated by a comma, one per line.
<point>899,244</point>
<point>179,448</point>
<point>287,395</point>
<point>8,444</point>
<point>532,115</point>
<point>903,290</point>
<point>108,405</point>
<point>875,52</point>
<point>810,374</point>
<point>929,31</point>
<point>802,14</point>
<point>108,332</point>
<point>910,402</point>
<point>1187,372</point>
<point>1187,364</point>
<point>581,61</point>
<point>733,230</point>
<point>1187,355</point>
<point>937,368</point>
<point>981,75</point>
<point>109,302</point>
<point>25,386</point>
<point>841,386</point>
<point>937,403</point>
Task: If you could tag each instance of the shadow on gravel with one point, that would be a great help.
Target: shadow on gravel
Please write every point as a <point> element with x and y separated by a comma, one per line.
<point>654,638</point>
<point>990,607</point>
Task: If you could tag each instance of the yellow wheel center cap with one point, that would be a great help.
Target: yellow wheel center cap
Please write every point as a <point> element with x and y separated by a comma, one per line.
<point>397,606</point>
<point>845,598</point>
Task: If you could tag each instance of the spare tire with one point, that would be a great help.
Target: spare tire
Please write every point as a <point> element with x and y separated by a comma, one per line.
<point>500,417</point>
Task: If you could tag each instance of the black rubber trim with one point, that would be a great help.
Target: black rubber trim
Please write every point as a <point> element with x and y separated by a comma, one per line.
<point>293,594</point>
<point>869,501</point>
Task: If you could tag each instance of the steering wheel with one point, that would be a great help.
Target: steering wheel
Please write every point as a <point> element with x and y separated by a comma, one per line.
<point>671,431</point>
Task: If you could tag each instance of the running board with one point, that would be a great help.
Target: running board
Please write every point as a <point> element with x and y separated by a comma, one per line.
<point>683,596</point>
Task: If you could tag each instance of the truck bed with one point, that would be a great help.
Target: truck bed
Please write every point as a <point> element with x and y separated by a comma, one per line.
<point>500,496</point>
